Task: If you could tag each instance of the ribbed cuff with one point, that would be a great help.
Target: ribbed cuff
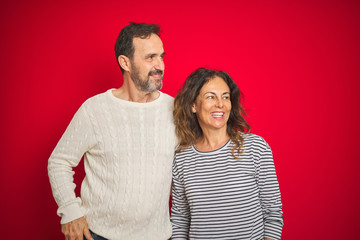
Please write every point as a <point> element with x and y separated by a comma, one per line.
<point>273,230</point>
<point>70,212</point>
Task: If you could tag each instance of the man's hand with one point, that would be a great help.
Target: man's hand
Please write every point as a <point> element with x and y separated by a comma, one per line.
<point>76,230</point>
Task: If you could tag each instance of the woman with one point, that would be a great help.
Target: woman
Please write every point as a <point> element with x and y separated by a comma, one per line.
<point>224,180</point>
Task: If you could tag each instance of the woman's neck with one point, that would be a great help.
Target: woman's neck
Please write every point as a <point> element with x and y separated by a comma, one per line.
<point>211,140</point>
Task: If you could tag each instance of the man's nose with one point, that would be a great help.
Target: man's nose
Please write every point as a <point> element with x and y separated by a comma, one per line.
<point>159,64</point>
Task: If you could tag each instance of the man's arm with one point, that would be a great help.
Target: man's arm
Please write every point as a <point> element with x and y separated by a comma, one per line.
<point>77,139</point>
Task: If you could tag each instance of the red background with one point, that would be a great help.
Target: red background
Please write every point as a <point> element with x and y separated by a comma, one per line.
<point>296,61</point>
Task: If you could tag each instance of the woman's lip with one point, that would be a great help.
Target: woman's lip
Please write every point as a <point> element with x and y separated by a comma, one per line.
<point>217,114</point>
<point>217,118</point>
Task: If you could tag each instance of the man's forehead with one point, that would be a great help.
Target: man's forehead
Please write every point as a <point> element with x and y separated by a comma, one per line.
<point>148,44</point>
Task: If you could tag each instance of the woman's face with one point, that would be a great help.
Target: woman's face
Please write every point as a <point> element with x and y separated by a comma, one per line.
<point>213,105</point>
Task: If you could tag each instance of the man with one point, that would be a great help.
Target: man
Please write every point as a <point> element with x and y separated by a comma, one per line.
<point>127,138</point>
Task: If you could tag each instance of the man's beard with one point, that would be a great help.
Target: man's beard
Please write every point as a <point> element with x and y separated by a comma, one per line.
<point>146,85</point>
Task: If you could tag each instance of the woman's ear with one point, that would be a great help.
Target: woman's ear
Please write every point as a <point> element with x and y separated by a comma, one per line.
<point>124,62</point>
<point>193,108</point>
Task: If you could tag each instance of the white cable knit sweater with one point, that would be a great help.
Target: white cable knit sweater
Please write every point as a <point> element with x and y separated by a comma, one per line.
<point>128,150</point>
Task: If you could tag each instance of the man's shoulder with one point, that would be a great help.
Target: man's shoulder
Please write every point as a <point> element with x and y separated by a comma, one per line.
<point>95,103</point>
<point>96,98</point>
<point>167,98</point>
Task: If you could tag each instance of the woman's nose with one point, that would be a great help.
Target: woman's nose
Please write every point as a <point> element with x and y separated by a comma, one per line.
<point>219,103</point>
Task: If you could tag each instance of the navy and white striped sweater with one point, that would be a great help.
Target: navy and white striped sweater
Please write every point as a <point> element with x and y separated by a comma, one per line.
<point>216,196</point>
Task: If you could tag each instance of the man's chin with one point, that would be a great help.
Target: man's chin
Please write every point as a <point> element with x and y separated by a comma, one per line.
<point>157,83</point>
<point>155,87</point>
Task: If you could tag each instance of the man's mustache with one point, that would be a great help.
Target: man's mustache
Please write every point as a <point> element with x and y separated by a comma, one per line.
<point>155,72</point>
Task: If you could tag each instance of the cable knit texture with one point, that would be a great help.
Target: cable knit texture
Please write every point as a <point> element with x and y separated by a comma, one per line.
<point>128,150</point>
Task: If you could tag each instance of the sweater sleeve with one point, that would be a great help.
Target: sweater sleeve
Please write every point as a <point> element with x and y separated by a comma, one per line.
<point>269,193</point>
<point>180,212</point>
<point>77,139</point>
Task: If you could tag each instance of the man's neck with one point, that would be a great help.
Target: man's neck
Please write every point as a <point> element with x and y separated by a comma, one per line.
<point>129,92</point>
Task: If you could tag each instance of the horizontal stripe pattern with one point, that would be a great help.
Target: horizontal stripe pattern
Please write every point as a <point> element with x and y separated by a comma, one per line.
<point>216,196</point>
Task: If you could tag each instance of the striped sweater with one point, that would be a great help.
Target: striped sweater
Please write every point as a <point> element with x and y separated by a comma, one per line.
<point>216,196</point>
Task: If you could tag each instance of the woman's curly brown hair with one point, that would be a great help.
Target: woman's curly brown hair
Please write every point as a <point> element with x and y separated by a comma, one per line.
<point>187,126</point>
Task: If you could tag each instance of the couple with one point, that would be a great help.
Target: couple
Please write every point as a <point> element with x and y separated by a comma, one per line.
<point>224,180</point>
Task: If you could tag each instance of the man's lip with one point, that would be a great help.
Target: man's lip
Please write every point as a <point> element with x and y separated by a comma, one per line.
<point>156,75</point>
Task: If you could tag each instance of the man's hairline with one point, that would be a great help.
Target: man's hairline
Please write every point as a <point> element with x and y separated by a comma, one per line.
<point>145,37</point>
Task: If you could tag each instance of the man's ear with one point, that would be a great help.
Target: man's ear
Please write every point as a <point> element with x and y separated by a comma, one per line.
<point>124,62</point>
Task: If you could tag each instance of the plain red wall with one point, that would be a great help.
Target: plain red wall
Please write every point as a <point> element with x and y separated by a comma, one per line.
<point>296,61</point>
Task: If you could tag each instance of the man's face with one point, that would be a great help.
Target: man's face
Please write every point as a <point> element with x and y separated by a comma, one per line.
<point>147,65</point>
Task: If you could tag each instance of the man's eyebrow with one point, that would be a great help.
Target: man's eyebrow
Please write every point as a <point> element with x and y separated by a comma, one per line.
<point>154,54</point>
<point>150,55</point>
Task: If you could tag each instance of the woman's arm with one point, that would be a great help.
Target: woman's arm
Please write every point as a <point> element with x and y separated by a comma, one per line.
<point>180,213</point>
<point>269,193</point>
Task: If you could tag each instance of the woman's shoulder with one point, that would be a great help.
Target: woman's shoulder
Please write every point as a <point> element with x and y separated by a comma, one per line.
<point>184,151</point>
<point>254,140</point>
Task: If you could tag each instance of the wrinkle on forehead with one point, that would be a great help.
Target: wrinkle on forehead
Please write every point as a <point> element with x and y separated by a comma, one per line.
<point>149,45</point>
